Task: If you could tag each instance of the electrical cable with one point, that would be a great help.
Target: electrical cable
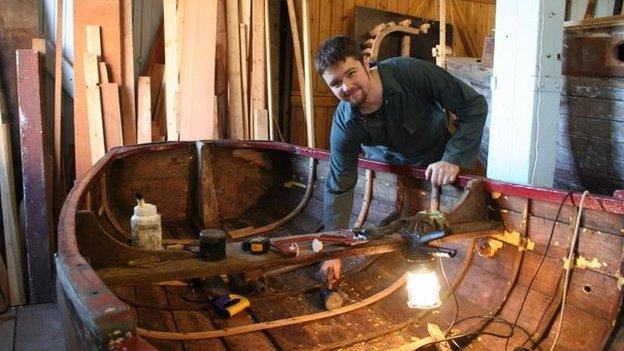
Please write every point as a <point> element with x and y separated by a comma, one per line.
<point>568,267</point>
<point>543,258</point>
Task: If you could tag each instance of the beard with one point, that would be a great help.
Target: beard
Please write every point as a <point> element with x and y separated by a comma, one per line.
<point>357,98</point>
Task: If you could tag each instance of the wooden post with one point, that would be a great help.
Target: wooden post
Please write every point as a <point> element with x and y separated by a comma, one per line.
<point>245,81</point>
<point>258,66</point>
<point>36,174</point>
<point>292,15</point>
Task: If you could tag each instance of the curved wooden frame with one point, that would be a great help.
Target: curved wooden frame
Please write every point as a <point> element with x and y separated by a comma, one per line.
<point>272,324</point>
<point>388,30</point>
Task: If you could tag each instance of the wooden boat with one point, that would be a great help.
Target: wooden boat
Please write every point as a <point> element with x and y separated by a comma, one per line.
<point>511,241</point>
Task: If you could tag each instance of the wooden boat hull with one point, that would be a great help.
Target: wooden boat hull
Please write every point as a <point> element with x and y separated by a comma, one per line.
<point>110,292</point>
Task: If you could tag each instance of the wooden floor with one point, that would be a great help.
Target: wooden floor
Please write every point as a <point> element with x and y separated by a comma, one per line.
<point>33,328</point>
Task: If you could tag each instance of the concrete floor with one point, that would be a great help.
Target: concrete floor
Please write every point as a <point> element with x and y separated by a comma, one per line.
<point>33,328</point>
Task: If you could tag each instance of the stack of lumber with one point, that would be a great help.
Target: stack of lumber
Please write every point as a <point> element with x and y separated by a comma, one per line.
<point>205,76</point>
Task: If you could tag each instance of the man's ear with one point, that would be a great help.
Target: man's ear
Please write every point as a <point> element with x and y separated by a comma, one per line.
<point>366,63</point>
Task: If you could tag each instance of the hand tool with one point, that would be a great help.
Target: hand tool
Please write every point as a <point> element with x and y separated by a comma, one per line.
<point>289,245</point>
<point>257,245</point>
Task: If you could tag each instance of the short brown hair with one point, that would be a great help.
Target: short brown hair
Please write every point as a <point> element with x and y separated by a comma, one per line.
<point>336,50</point>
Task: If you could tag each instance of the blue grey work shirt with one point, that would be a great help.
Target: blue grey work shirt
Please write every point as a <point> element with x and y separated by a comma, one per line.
<point>410,128</point>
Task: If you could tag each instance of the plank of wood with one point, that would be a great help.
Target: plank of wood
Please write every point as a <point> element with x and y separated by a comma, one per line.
<point>126,85</point>
<point>221,76</point>
<point>59,183</point>
<point>261,124</point>
<point>144,107</point>
<point>106,14</point>
<point>103,72</point>
<point>12,235</point>
<point>156,53</point>
<point>37,219</point>
<point>206,200</point>
<point>235,99</point>
<point>269,77</point>
<point>159,117</point>
<point>96,128</point>
<point>173,23</point>
<point>307,59</point>
<point>156,75</point>
<point>111,110</point>
<point>91,70</point>
<point>257,77</point>
<point>94,45</point>
<point>197,70</point>
<point>245,80</point>
<point>38,45</point>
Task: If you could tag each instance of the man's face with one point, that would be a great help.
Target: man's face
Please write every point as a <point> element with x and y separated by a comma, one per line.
<point>349,81</point>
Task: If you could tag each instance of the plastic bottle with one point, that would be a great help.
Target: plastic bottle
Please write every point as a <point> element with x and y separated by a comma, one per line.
<point>146,226</point>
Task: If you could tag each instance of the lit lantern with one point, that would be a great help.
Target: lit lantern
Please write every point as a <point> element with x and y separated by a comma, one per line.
<point>423,286</point>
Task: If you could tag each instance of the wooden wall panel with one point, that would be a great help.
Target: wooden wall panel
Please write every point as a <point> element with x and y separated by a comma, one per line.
<point>333,17</point>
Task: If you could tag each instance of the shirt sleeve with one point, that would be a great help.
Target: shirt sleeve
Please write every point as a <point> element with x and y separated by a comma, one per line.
<point>469,106</point>
<point>342,176</point>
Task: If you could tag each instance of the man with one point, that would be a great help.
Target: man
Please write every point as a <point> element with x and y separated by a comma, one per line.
<point>393,112</point>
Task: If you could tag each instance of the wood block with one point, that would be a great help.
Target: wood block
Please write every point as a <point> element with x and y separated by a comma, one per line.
<point>111,109</point>
<point>37,174</point>
<point>106,14</point>
<point>206,200</point>
<point>144,107</point>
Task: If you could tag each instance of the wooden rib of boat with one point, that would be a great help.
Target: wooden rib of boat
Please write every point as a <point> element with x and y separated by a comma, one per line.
<point>511,241</point>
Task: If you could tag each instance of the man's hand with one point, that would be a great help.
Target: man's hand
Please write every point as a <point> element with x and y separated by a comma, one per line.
<point>335,264</point>
<point>442,173</point>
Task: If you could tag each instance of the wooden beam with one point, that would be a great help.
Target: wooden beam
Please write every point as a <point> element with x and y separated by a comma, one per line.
<point>197,70</point>
<point>36,181</point>
<point>103,72</point>
<point>12,237</point>
<point>126,85</point>
<point>235,100</point>
<point>111,110</point>
<point>144,107</point>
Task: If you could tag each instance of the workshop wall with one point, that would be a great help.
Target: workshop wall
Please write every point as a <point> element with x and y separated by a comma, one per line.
<point>334,17</point>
